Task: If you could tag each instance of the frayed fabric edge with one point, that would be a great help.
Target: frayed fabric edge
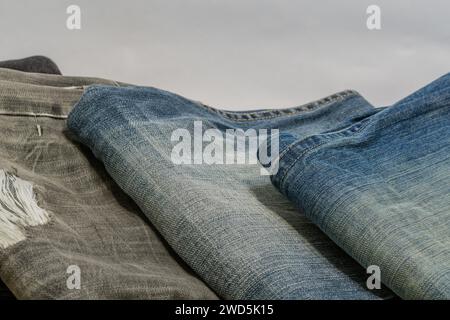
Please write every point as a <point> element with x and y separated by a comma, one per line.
<point>18,209</point>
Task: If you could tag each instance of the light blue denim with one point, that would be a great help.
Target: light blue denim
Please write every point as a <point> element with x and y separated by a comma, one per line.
<point>380,188</point>
<point>228,222</point>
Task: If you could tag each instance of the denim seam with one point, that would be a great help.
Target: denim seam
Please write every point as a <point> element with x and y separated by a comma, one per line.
<point>296,159</point>
<point>310,149</point>
<point>51,115</point>
<point>347,133</point>
<point>32,114</point>
<point>288,112</point>
<point>293,144</point>
<point>276,113</point>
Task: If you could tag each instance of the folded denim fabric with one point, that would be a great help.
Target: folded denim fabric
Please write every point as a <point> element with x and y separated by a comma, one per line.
<point>225,220</point>
<point>67,231</point>
<point>37,64</point>
<point>380,188</point>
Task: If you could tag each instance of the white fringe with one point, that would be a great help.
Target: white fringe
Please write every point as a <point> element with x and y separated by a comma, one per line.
<point>18,209</point>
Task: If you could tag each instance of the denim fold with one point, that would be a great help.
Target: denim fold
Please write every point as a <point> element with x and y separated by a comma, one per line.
<point>92,230</point>
<point>380,189</point>
<point>226,221</point>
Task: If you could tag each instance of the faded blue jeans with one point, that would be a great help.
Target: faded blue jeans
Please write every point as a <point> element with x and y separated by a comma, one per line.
<point>380,188</point>
<point>228,222</point>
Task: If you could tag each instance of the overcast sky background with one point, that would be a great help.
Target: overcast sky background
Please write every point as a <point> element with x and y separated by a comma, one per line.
<point>240,54</point>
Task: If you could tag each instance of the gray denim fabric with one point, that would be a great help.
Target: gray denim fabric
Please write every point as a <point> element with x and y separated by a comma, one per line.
<point>93,224</point>
<point>38,64</point>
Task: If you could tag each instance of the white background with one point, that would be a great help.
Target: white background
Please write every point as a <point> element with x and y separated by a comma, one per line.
<point>240,54</point>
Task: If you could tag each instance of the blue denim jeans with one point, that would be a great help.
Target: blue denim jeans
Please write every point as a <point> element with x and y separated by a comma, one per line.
<point>380,189</point>
<point>228,222</point>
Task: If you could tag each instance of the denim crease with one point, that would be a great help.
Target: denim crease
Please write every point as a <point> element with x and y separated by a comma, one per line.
<point>380,189</point>
<point>227,222</point>
<point>93,225</point>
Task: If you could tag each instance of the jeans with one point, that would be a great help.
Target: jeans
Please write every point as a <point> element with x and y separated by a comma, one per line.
<point>37,64</point>
<point>90,223</point>
<point>380,189</point>
<point>227,222</point>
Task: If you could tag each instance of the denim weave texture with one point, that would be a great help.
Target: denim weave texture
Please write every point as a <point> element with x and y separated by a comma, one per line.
<point>227,222</point>
<point>93,224</point>
<point>380,189</point>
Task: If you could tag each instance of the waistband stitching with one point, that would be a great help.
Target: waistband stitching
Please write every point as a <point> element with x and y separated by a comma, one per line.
<point>274,113</point>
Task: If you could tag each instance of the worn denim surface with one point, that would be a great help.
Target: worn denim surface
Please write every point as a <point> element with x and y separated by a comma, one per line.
<point>227,222</point>
<point>380,188</point>
<point>93,224</point>
<point>37,64</point>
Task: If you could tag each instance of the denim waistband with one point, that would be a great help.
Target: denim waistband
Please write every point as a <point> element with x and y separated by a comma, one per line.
<point>42,95</point>
<point>268,114</point>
